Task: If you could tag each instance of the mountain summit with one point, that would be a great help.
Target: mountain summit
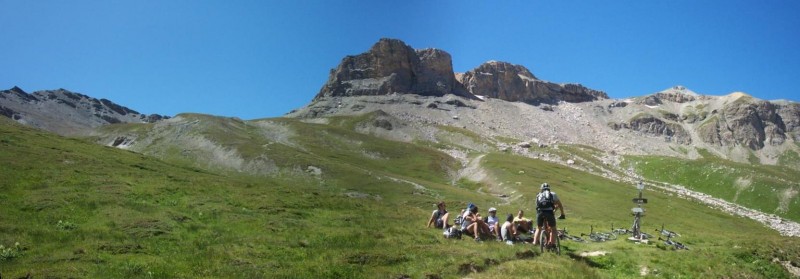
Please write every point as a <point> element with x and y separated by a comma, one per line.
<point>515,83</point>
<point>391,66</point>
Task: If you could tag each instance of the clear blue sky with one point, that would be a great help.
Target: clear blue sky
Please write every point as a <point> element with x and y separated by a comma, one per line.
<point>255,59</point>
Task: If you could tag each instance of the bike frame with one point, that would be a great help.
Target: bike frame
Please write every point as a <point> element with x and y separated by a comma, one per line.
<point>544,237</point>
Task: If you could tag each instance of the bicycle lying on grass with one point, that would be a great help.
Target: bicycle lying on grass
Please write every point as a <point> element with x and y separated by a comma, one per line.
<point>667,233</point>
<point>620,230</point>
<point>600,236</point>
<point>563,234</point>
<point>677,245</point>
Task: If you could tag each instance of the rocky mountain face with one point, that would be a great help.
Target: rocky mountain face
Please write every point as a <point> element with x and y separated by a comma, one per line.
<point>733,126</point>
<point>391,66</point>
<point>722,121</point>
<point>516,83</point>
<point>65,112</point>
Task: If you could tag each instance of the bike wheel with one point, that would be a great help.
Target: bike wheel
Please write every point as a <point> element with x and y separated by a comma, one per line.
<point>542,241</point>
<point>558,246</point>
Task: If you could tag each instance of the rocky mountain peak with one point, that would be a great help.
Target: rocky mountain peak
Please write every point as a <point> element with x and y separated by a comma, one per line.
<point>391,66</point>
<point>516,83</point>
<point>675,94</point>
<point>18,90</point>
<point>493,66</point>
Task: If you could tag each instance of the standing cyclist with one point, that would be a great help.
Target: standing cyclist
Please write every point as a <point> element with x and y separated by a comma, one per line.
<point>546,203</point>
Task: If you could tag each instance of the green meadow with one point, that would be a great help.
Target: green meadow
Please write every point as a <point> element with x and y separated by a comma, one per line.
<point>82,210</point>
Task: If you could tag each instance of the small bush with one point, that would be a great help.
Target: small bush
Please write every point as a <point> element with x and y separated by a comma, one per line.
<point>66,225</point>
<point>10,252</point>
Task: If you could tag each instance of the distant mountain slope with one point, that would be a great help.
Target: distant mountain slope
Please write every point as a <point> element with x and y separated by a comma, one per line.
<point>65,112</point>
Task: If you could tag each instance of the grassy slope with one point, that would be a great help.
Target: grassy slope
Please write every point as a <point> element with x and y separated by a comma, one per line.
<point>138,217</point>
<point>766,192</point>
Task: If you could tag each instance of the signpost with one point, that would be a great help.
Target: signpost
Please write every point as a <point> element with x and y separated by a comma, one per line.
<point>638,212</point>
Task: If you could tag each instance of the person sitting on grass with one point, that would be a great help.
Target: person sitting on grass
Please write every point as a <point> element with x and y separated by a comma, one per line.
<point>507,229</point>
<point>522,224</point>
<point>493,223</point>
<point>439,217</point>
<point>473,224</point>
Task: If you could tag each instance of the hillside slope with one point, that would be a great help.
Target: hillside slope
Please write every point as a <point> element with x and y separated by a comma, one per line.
<point>79,209</point>
<point>367,188</point>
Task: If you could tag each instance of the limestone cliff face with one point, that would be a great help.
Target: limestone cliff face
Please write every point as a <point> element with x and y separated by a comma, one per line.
<point>516,83</point>
<point>391,66</point>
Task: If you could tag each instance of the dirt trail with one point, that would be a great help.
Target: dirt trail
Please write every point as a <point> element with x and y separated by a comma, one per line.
<point>473,171</point>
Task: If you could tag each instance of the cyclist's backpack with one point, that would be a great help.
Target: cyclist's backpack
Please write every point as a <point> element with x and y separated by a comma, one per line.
<point>544,200</point>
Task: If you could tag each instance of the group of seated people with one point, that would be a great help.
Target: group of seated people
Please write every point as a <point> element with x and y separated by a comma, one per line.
<point>472,224</point>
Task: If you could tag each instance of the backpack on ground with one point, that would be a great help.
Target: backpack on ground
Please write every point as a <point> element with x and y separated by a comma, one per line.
<point>452,233</point>
<point>544,200</point>
<point>458,220</point>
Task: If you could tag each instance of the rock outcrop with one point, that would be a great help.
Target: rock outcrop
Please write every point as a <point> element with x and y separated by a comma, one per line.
<point>66,113</point>
<point>516,83</point>
<point>789,113</point>
<point>654,126</point>
<point>746,122</point>
<point>391,66</point>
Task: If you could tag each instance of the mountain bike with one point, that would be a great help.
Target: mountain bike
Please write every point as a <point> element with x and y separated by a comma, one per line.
<point>563,234</point>
<point>667,233</point>
<point>544,238</point>
<point>599,236</point>
<point>677,245</point>
<point>620,230</point>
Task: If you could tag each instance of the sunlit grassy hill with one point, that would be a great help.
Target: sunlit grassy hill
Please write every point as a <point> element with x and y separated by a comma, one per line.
<point>770,189</point>
<point>212,197</point>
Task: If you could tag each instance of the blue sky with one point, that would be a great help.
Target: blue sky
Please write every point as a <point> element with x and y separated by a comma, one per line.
<point>254,59</point>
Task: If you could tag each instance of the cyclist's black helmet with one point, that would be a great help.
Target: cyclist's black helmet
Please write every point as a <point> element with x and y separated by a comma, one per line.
<point>545,186</point>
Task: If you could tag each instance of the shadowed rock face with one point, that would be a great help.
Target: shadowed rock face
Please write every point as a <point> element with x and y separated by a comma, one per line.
<point>391,66</point>
<point>516,83</point>
<point>655,126</point>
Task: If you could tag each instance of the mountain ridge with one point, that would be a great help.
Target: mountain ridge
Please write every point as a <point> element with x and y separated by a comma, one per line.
<point>391,66</point>
<point>65,112</point>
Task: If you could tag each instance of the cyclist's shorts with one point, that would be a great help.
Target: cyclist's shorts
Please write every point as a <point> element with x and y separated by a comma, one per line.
<point>543,216</point>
